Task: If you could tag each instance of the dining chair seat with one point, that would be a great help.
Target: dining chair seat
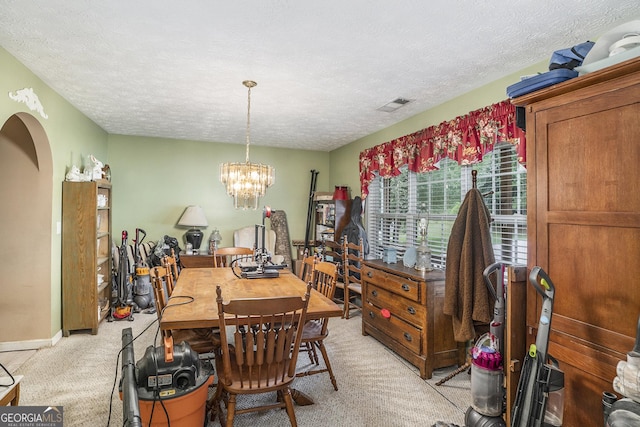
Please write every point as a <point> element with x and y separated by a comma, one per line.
<point>313,329</point>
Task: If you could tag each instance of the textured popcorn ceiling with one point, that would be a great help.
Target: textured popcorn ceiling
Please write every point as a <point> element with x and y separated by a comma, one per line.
<point>175,68</point>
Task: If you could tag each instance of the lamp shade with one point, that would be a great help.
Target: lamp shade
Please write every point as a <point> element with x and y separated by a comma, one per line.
<point>193,216</point>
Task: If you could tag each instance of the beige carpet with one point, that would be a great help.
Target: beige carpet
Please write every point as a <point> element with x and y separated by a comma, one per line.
<point>376,387</point>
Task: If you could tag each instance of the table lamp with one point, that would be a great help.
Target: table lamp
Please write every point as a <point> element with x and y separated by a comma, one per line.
<point>193,217</point>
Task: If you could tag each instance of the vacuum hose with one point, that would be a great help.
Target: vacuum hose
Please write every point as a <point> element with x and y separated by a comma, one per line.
<point>128,387</point>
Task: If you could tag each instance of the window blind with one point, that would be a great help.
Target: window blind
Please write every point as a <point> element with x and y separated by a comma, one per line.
<point>394,205</point>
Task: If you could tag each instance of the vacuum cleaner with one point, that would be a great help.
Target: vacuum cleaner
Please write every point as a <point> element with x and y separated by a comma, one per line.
<point>143,292</point>
<point>487,375</point>
<point>122,292</point>
<point>540,396</point>
<point>167,387</point>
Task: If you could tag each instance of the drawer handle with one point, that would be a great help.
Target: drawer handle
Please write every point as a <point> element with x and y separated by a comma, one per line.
<point>405,287</point>
<point>371,315</point>
<point>411,310</point>
<point>407,336</point>
<point>369,273</point>
<point>374,293</point>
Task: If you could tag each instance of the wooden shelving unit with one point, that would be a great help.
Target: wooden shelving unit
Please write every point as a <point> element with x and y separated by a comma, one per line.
<point>331,216</point>
<point>86,253</point>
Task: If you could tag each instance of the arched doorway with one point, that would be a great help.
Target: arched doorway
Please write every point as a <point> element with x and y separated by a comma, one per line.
<point>26,174</point>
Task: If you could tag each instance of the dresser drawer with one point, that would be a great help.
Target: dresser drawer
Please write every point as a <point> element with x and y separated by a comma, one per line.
<point>402,286</point>
<point>404,308</point>
<point>395,328</point>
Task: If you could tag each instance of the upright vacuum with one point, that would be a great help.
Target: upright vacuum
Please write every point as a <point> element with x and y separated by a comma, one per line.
<point>540,396</point>
<point>143,297</point>
<point>122,293</point>
<point>487,375</point>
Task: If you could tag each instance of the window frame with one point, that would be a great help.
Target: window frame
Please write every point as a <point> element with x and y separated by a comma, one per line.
<point>500,178</point>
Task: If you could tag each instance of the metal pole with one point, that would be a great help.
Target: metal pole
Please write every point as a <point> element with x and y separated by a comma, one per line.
<point>312,191</point>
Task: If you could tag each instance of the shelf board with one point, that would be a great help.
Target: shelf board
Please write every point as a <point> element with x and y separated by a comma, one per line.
<point>102,286</point>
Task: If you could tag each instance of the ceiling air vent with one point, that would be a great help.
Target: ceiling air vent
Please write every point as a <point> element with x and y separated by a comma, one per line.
<point>394,105</point>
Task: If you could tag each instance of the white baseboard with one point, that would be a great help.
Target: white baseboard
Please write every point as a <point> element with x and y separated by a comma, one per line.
<point>31,344</point>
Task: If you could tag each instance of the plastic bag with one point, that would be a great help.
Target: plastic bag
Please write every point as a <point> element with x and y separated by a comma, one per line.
<point>570,58</point>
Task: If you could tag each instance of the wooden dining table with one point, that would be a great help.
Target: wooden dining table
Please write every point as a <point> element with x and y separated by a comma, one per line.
<point>193,300</point>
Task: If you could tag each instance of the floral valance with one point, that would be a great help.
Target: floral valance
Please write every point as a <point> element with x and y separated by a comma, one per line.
<point>465,139</point>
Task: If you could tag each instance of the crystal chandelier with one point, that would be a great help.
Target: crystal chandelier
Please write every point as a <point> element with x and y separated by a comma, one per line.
<point>247,182</point>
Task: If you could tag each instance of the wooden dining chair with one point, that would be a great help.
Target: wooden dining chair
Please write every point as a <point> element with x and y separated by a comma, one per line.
<point>201,340</point>
<point>315,331</point>
<point>223,257</point>
<point>160,282</point>
<point>333,253</point>
<point>171,264</point>
<point>352,260</point>
<point>260,344</point>
<point>306,268</point>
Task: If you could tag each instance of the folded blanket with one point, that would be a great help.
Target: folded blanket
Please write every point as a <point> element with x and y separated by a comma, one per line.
<point>469,252</point>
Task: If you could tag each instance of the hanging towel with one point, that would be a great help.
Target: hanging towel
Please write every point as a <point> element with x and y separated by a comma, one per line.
<point>469,252</point>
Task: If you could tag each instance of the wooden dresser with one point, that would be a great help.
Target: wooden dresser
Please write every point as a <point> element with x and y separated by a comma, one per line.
<point>196,261</point>
<point>402,308</point>
<point>583,203</point>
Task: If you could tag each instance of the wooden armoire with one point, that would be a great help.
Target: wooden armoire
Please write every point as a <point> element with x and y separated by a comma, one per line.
<point>583,165</point>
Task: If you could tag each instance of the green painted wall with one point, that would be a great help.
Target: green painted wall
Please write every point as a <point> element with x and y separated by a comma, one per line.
<point>155,179</point>
<point>71,137</point>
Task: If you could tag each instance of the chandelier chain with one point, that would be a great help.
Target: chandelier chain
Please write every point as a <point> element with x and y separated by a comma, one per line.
<point>248,122</point>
